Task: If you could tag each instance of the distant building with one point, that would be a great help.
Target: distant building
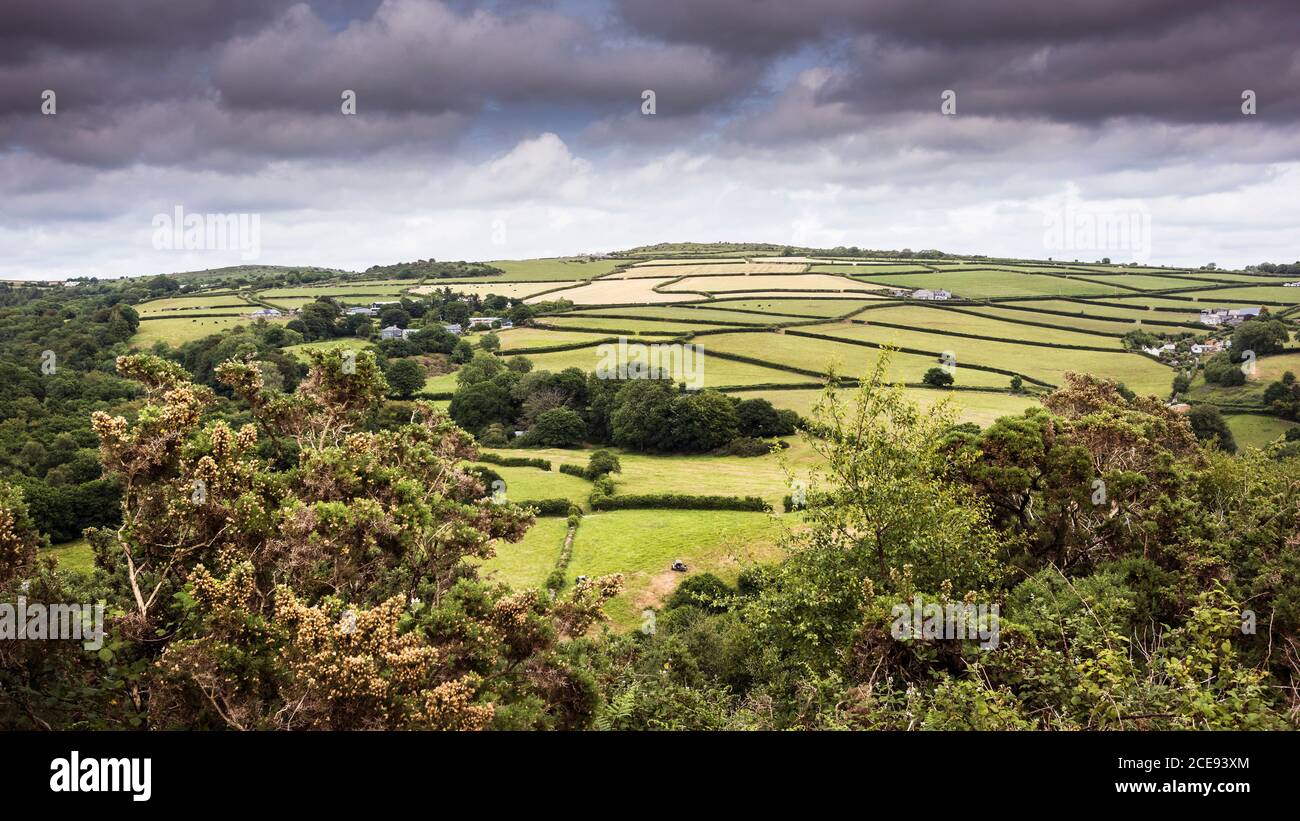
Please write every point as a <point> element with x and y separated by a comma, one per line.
<point>926,293</point>
<point>476,321</point>
<point>1209,346</point>
<point>392,332</point>
<point>361,310</point>
<point>1245,313</point>
<point>1291,284</point>
<point>453,328</point>
<point>378,306</point>
<point>266,313</point>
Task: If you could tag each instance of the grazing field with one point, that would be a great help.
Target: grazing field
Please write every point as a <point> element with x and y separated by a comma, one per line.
<point>711,269</point>
<point>527,563</point>
<point>1138,313</point>
<point>1265,293</point>
<point>514,290</point>
<point>378,288</point>
<point>1251,430</point>
<point>980,407</point>
<point>219,304</point>
<point>1049,365</point>
<point>643,544</point>
<point>716,311</point>
<point>645,327</point>
<point>178,330</point>
<point>848,359</point>
<point>556,268</point>
<point>939,320</point>
<point>524,484</point>
<point>76,556</point>
<point>768,282</point>
<point>968,284</point>
<point>717,372</point>
<point>615,292</point>
<point>300,351</point>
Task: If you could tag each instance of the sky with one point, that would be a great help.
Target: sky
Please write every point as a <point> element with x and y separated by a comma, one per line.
<point>1155,131</point>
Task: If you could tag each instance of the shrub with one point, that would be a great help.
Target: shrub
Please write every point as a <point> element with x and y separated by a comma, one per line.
<point>405,377</point>
<point>549,507</point>
<point>703,590</point>
<point>515,461</point>
<point>602,462</point>
<point>677,501</point>
<point>556,428</point>
<point>574,470</point>
<point>937,377</point>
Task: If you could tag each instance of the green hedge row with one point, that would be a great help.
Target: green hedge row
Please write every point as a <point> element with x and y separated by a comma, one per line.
<point>549,507</point>
<point>678,501</point>
<point>514,461</point>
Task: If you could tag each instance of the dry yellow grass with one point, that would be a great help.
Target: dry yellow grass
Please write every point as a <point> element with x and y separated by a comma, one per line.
<point>613,292</point>
<point>769,282</point>
<point>710,270</point>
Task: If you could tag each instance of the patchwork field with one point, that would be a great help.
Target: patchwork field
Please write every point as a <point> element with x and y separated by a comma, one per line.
<point>752,317</point>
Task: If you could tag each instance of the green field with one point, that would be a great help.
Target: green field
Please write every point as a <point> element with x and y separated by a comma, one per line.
<point>75,556</point>
<point>643,544</point>
<point>986,284</point>
<point>178,330</point>
<point>528,562</point>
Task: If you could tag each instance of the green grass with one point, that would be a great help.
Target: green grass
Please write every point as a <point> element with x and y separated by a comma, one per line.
<point>939,320</point>
<point>643,544</point>
<point>178,330</point>
<point>644,327</point>
<point>717,371</point>
<point>980,407</point>
<point>524,270</point>
<point>1050,365</point>
<point>985,284</point>
<point>849,360</point>
<point>348,343</point>
<point>222,304</point>
<point>695,475</point>
<point>75,556</point>
<point>524,484</point>
<point>527,563</point>
<point>1254,431</point>
<point>1137,313</point>
<point>1266,293</point>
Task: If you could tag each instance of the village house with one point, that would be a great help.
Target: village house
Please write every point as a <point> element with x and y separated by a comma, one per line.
<point>453,328</point>
<point>477,321</point>
<point>361,310</point>
<point>266,313</point>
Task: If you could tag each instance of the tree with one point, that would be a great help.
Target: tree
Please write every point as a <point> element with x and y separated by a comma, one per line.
<point>1182,384</point>
<point>1263,336</point>
<point>640,417</point>
<point>490,342</point>
<point>601,463</point>
<point>938,377</point>
<point>335,594</point>
<point>1017,384</point>
<point>1209,426</point>
<point>758,418</point>
<point>702,421</point>
<point>405,377</point>
<point>556,428</point>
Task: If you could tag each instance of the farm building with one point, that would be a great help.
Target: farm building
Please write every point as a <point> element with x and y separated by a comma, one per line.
<point>266,313</point>
<point>476,321</point>
<point>453,328</point>
<point>392,332</point>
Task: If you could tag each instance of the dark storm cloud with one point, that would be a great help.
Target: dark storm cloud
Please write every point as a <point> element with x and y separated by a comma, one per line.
<point>220,83</point>
<point>1169,60</point>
